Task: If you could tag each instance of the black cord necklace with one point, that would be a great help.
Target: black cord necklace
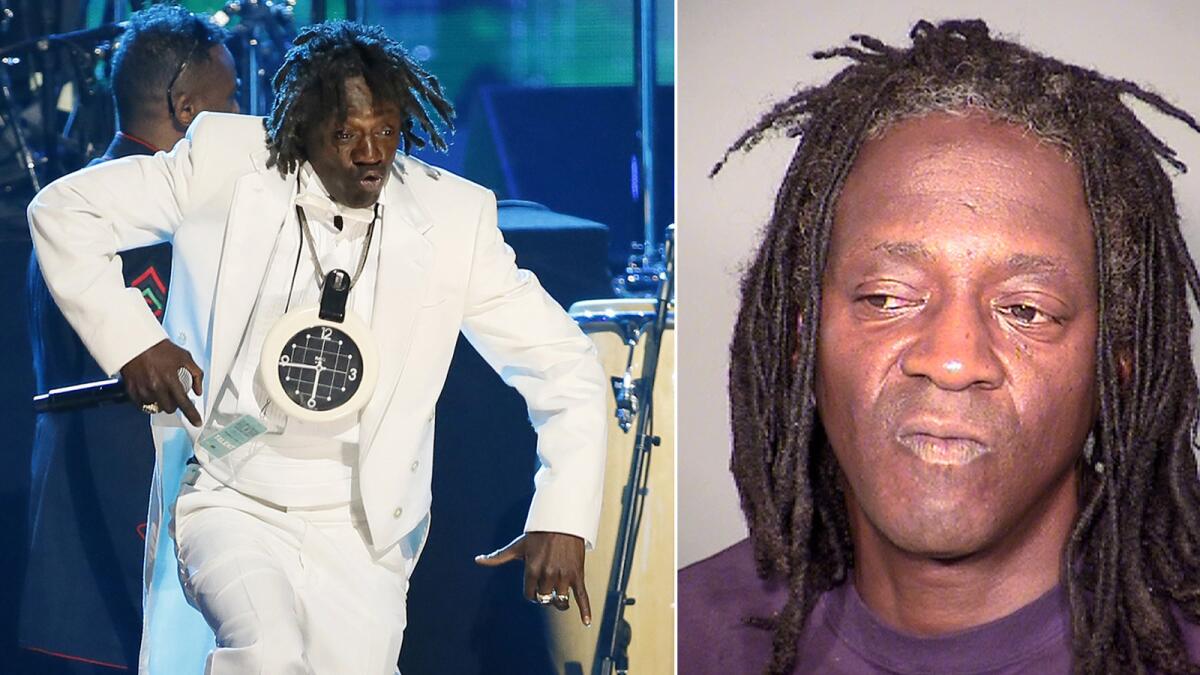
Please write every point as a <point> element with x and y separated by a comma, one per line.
<point>306,236</point>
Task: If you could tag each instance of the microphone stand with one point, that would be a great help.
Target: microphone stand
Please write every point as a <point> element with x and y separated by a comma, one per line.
<point>644,267</point>
<point>612,653</point>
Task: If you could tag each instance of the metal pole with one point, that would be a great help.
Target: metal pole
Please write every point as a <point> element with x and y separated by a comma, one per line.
<point>645,62</point>
<point>252,46</point>
<point>642,274</point>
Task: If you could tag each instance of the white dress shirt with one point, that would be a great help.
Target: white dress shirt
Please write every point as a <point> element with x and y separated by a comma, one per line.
<point>300,463</point>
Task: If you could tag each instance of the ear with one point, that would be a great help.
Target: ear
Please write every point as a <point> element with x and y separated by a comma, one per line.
<point>187,107</point>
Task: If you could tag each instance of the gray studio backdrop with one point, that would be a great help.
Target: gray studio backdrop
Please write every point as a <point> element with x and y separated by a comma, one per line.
<point>736,58</point>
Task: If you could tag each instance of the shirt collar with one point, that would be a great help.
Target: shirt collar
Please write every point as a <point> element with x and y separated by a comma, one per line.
<point>319,207</point>
<point>991,647</point>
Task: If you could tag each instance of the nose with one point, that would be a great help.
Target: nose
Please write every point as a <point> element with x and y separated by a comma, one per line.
<point>367,151</point>
<point>954,349</point>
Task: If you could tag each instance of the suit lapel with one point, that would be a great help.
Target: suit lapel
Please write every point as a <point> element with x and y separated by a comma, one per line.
<point>258,212</point>
<point>405,258</point>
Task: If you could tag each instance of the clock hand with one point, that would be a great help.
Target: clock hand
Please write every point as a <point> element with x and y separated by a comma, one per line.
<point>300,365</point>
<point>316,377</point>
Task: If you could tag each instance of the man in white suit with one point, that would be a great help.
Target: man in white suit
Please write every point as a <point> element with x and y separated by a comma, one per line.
<point>295,537</point>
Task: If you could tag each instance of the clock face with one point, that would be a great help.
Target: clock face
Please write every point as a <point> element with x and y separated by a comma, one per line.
<point>320,368</point>
<point>316,370</point>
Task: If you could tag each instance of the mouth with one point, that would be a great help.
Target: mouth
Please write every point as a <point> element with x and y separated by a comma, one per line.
<point>371,181</point>
<point>942,451</point>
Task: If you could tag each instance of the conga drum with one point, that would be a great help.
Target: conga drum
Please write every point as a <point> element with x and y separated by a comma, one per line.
<point>613,324</point>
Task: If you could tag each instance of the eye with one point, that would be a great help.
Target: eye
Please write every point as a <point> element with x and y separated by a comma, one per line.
<point>1027,315</point>
<point>886,303</point>
<point>342,135</point>
<point>387,131</point>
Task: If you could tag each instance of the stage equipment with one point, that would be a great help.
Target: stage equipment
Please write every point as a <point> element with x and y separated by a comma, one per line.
<point>67,59</point>
<point>55,112</point>
<point>262,32</point>
<point>45,76</point>
<point>587,135</point>
<point>643,273</point>
<point>606,138</point>
<point>635,338</point>
<point>9,114</point>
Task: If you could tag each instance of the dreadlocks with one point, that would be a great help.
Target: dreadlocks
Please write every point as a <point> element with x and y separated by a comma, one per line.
<point>310,86</point>
<point>1134,553</point>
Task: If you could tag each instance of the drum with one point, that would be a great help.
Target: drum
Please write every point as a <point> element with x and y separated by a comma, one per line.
<point>613,324</point>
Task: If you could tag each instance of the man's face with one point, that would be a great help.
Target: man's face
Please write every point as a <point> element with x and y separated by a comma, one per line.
<point>956,358</point>
<point>352,156</point>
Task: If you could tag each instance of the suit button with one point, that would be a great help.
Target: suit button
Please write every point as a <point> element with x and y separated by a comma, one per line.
<point>415,464</point>
<point>397,512</point>
<point>181,339</point>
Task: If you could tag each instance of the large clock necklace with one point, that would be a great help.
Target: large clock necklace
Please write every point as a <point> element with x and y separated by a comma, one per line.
<point>321,363</point>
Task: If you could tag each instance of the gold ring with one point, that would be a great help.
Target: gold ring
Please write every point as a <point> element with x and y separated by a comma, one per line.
<point>151,408</point>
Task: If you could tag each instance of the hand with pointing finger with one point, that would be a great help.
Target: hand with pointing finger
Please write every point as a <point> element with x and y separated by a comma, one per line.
<point>152,377</point>
<point>553,568</point>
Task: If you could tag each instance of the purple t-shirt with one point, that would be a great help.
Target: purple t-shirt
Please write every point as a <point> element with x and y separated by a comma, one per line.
<point>843,637</point>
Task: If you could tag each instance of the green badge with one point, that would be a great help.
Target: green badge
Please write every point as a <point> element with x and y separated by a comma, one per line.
<point>232,437</point>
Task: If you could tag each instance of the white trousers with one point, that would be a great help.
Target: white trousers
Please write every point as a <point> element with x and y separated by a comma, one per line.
<point>288,591</point>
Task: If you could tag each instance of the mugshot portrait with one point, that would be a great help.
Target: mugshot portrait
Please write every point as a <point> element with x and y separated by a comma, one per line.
<point>870,317</point>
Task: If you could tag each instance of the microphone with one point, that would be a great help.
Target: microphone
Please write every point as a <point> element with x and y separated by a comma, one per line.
<point>92,394</point>
<point>185,378</point>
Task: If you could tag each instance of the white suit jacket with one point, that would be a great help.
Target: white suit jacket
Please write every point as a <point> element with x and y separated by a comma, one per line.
<point>443,268</point>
